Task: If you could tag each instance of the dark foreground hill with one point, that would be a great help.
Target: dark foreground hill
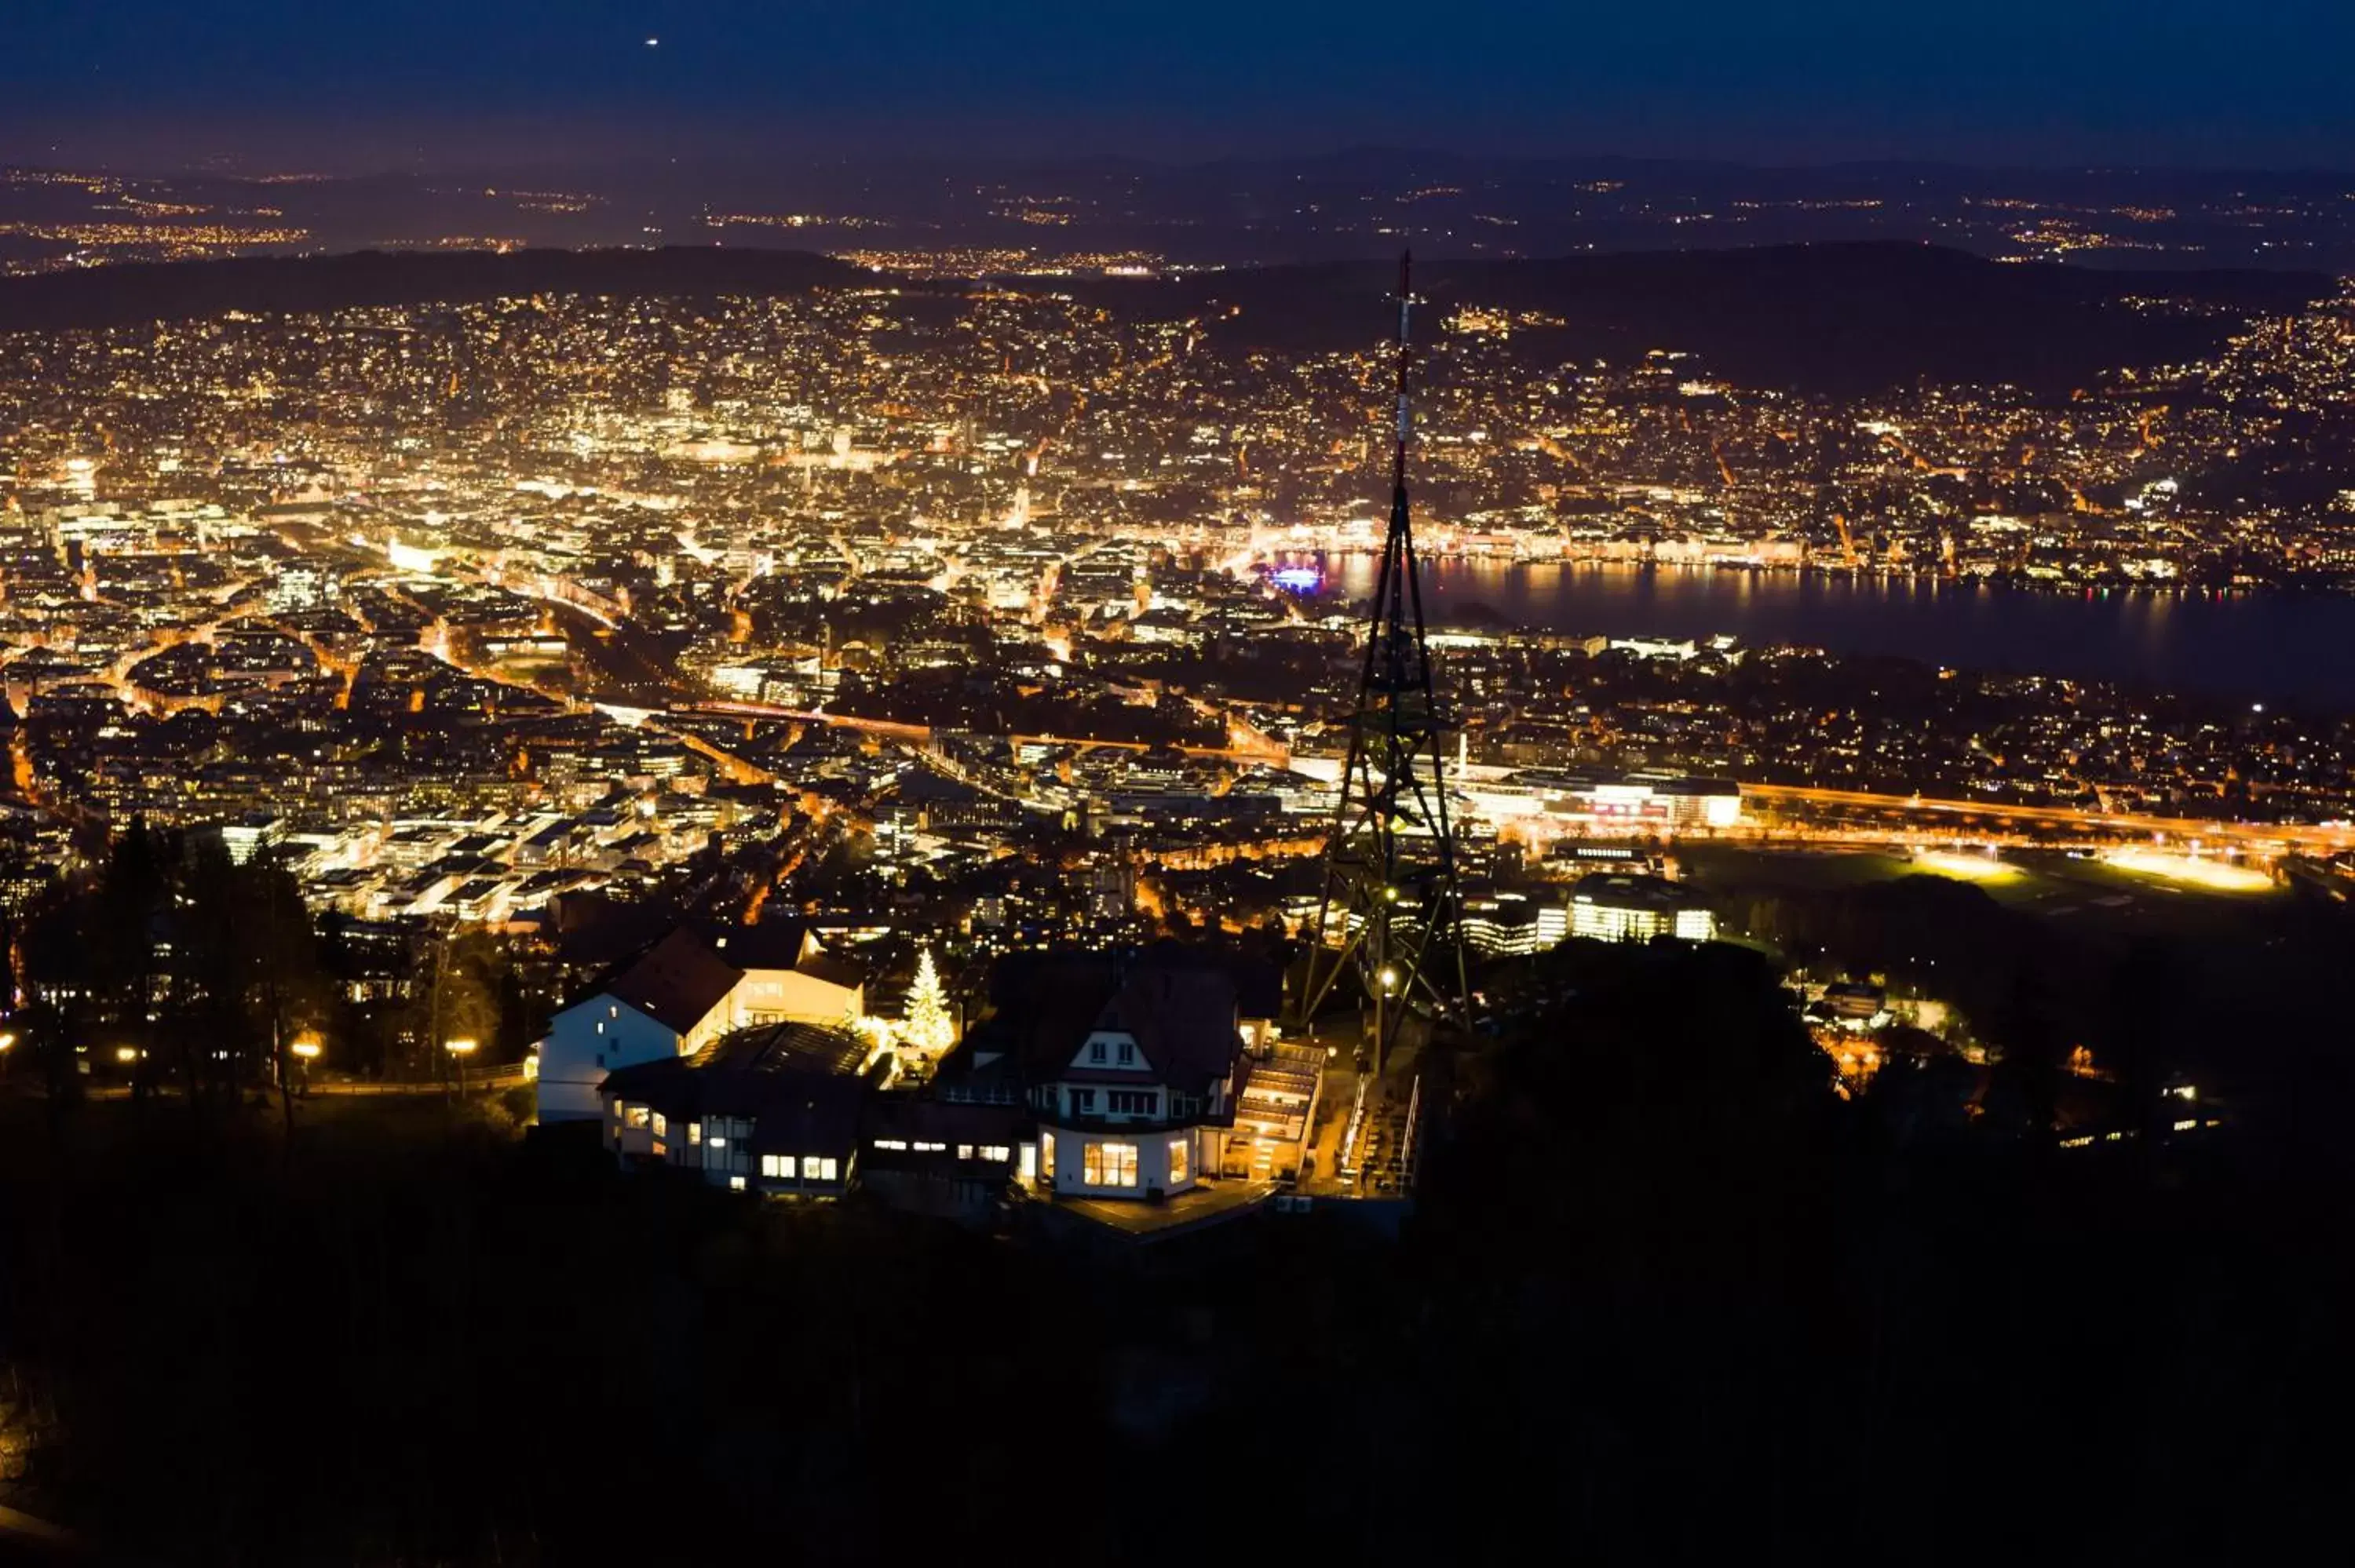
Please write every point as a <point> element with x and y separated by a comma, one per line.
<point>1842,319</point>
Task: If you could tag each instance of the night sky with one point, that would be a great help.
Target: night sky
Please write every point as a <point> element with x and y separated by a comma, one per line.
<point>344,84</point>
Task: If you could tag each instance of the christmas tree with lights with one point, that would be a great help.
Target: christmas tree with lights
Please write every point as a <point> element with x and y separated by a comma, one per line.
<point>927,1026</point>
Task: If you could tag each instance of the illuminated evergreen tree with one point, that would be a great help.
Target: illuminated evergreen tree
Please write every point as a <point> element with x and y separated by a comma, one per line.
<point>926,1024</point>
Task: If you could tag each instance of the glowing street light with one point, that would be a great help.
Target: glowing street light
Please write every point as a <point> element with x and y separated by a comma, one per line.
<point>305,1048</point>
<point>460,1049</point>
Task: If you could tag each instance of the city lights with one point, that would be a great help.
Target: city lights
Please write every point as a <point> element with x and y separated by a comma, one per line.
<point>1460,835</point>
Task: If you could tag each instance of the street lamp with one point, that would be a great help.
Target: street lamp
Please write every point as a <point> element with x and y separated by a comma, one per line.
<point>306,1047</point>
<point>7,1043</point>
<point>460,1049</point>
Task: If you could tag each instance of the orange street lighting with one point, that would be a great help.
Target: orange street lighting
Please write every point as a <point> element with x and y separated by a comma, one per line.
<point>307,1048</point>
<point>126,1053</point>
<point>6,1040</point>
<point>460,1049</point>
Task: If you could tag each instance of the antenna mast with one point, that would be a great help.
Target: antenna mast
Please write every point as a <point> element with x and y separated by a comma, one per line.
<point>1392,907</point>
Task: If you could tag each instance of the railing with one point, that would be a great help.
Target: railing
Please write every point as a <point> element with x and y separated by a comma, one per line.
<point>1411,1137</point>
<point>1357,1124</point>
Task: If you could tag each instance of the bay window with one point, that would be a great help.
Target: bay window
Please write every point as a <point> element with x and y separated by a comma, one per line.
<point>1108,1165</point>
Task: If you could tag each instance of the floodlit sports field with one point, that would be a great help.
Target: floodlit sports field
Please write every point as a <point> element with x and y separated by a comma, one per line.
<point>2192,871</point>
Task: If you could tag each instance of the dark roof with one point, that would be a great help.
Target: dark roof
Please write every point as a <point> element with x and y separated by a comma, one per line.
<point>1184,1020</point>
<point>919,1118</point>
<point>595,930</point>
<point>770,945</point>
<point>677,982</point>
<point>1631,890</point>
<point>785,1047</point>
<point>833,969</point>
<point>797,1083</point>
<point>1181,1011</point>
<point>777,945</point>
<point>1258,982</point>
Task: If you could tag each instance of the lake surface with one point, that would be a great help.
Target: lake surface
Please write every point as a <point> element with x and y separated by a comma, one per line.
<point>2285,647</point>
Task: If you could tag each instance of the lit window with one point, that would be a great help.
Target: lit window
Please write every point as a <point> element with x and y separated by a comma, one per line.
<point>695,1136</point>
<point>635,1115</point>
<point>1000,1152</point>
<point>1180,1161</point>
<point>1108,1165</point>
<point>814,1169</point>
<point>662,1124</point>
<point>891,1143</point>
<point>931,1148</point>
<point>735,1183</point>
<point>777,1167</point>
<point>718,1143</point>
<point>1047,1155</point>
<point>965,1151</point>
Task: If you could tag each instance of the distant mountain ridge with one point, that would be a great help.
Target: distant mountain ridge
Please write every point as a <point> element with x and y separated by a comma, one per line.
<point>1841,318</point>
<point>1838,318</point>
<point>124,295</point>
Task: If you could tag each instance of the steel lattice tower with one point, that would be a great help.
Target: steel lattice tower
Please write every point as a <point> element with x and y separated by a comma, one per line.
<point>1392,908</point>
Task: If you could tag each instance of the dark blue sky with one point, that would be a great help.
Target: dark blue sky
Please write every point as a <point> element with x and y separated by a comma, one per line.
<point>344,83</point>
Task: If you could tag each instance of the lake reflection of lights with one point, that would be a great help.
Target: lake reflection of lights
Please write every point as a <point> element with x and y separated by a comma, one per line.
<point>1298,580</point>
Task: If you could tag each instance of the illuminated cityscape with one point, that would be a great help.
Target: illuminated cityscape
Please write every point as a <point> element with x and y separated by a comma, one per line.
<point>768,788</point>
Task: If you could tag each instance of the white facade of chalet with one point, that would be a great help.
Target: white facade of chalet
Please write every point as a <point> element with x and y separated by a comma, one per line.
<point>1111,1127</point>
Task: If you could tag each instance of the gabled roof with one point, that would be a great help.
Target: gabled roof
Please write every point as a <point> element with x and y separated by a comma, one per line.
<point>1183,1021</point>
<point>676,982</point>
<point>1181,1010</point>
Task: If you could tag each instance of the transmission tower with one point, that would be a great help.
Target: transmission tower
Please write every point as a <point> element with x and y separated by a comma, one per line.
<point>1392,909</point>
